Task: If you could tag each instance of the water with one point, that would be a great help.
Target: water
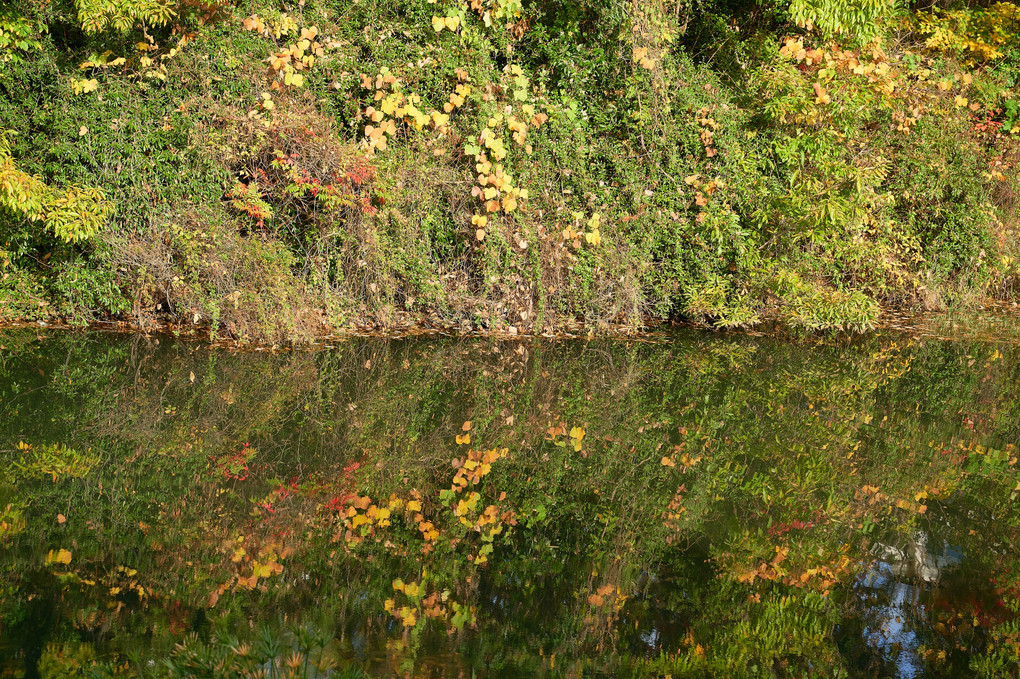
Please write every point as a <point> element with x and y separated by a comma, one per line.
<point>695,505</point>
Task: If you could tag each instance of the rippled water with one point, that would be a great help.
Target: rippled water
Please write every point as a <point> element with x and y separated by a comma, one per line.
<point>693,505</point>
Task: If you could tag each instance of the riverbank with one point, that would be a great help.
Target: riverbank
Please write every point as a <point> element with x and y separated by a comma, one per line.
<point>274,173</point>
<point>996,322</point>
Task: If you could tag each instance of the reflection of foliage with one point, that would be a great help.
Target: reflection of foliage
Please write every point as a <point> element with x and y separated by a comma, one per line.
<point>700,507</point>
<point>55,460</point>
<point>303,653</point>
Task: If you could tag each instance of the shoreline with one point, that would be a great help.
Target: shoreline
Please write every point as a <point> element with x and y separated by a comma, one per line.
<point>921,323</point>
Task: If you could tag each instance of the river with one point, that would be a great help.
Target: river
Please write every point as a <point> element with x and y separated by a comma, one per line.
<point>686,504</point>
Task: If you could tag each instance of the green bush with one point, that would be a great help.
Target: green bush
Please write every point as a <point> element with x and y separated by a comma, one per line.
<point>274,171</point>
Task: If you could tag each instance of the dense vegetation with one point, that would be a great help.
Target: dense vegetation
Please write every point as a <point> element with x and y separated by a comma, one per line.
<point>709,507</point>
<point>272,170</point>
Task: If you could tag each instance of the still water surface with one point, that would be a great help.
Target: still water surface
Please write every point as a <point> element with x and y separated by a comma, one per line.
<point>696,505</point>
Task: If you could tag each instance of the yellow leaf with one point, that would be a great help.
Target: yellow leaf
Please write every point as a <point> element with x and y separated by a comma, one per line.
<point>667,462</point>
<point>413,506</point>
<point>60,556</point>
<point>411,589</point>
<point>463,439</point>
<point>398,585</point>
<point>388,605</point>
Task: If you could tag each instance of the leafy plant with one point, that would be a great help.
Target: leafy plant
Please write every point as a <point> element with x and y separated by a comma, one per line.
<point>73,214</point>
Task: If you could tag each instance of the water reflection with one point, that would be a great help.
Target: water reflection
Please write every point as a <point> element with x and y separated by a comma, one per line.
<point>919,606</point>
<point>704,505</point>
<point>892,606</point>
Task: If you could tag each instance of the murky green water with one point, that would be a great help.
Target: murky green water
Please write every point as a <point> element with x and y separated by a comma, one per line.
<point>703,505</point>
